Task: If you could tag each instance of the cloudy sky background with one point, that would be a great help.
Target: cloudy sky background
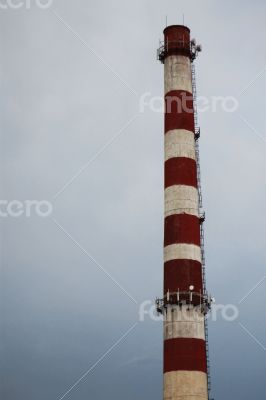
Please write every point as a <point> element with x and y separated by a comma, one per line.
<point>71,81</point>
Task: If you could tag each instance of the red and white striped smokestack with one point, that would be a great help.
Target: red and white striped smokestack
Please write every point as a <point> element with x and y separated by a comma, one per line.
<point>185,303</point>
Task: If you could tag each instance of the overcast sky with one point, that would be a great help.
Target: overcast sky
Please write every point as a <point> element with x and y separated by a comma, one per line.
<point>73,135</point>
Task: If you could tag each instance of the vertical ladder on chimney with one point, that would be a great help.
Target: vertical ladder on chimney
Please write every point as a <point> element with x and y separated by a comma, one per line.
<point>194,92</point>
<point>202,217</point>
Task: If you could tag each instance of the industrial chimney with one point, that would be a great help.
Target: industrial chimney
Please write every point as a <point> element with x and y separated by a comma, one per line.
<point>185,302</point>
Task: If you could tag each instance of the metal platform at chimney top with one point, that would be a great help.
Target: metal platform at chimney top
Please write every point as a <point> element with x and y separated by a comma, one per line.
<point>180,47</point>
